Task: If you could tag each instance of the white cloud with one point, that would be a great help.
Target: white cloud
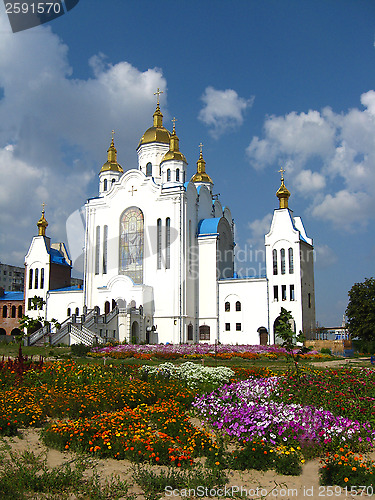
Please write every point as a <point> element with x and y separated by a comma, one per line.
<point>55,130</point>
<point>307,181</point>
<point>345,208</point>
<point>331,158</point>
<point>223,110</point>
<point>325,256</point>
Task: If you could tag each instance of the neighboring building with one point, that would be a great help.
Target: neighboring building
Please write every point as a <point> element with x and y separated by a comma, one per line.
<point>11,311</point>
<point>12,278</point>
<point>159,259</point>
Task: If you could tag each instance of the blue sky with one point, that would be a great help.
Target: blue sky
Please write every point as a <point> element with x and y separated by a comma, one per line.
<point>263,84</point>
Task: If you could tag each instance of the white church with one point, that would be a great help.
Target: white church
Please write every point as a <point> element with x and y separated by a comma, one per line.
<point>159,261</point>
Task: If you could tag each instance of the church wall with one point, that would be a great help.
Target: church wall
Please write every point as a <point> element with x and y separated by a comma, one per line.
<point>208,292</point>
<point>58,303</point>
<point>251,294</point>
<point>284,235</point>
<point>59,276</point>
<point>37,258</point>
<point>307,291</point>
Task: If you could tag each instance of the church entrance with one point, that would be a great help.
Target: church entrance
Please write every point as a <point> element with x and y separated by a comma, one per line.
<point>135,333</point>
<point>263,335</point>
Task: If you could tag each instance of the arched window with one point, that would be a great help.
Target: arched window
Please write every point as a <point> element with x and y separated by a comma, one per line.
<point>113,304</point>
<point>227,306</point>
<point>5,312</point>
<point>238,305</point>
<point>168,174</point>
<point>204,332</point>
<point>107,307</point>
<point>149,169</point>
<point>13,311</point>
<point>36,278</point>
<point>131,244</point>
<point>177,175</point>
<point>105,246</point>
<point>69,312</point>
<point>190,332</point>
<point>113,181</point>
<point>97,249</point>
<point>105,185</point>
<point>158,243</point>
<point>77,311</point>
<point>167,243</point>
<point>274,261</point>
<point>282,258</point>
<point>291,262</point>
<point>42,278</point>
<point>20,311</point>
<point>30,278</point>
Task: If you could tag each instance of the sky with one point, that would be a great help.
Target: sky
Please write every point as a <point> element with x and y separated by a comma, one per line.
<point>262,84</point>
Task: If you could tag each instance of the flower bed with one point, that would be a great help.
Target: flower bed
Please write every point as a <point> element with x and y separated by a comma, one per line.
<point>193,375</point>
<point>246,410</point>
<point>194,351</point>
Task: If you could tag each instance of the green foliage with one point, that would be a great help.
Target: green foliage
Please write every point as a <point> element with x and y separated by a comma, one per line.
<point>361,310</point>
<point>288,462</point>
<point>80,350</point>
<point>347,469</point>
<point>326,350</point>
<point>27,474</point>
<point>285,332</point>
<point>154,483</point>
<point>255,454</point>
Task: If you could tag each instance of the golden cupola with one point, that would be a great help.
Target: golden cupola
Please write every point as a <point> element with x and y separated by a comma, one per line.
<point>283,193</point>
<point>42,224</point>
<point>201,175</point>
<point>174,152</point>
<point>156,133</point>
<point>111,164</point>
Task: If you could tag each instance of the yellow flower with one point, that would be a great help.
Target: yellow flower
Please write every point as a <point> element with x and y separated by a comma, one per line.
<point>346,479</point>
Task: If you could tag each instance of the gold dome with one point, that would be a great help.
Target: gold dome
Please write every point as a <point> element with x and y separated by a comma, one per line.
<point>283,193</point>
<point>42,224</point>
<point>111,164</point>
<point>174,152</point>
<point>200,175</point>
<point>157,133</point>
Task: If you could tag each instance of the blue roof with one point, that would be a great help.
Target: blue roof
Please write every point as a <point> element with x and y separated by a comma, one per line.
<point>12,296</point>
<point>68,289</point>
<point>57,257</point>
<point>208,226</point>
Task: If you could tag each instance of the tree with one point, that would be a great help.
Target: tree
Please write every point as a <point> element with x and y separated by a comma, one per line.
<point>32,324</point>
<point>284,331</point>
<point>361,310</point>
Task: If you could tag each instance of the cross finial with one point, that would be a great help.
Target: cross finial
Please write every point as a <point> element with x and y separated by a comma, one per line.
<point>113,133</point>
<point>43,205</point>
<point>174,120</point>
<point>282,171</point>
<point>200,147</point>
<point>158,92</point>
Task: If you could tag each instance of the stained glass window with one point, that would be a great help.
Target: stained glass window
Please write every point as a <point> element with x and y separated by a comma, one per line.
<point>131,244</point>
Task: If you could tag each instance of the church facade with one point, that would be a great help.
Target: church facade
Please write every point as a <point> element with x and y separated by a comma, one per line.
<point>159,260</point>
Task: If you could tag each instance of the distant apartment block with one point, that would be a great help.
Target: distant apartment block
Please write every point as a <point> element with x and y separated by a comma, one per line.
<point>12,278</point>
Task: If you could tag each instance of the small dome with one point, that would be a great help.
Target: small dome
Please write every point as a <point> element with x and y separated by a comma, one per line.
<point>174,152</point>
<point>111,164</point>
<point>283,194</point>
<point>156,133</point>
<point>42,224</point>
<point>201,175</point>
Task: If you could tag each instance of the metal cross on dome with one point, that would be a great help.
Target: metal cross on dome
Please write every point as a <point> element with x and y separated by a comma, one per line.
<point>158,92</point>
<point>282,172</point>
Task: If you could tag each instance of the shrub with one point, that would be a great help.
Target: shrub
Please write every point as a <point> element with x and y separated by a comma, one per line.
<point>79,350</point>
